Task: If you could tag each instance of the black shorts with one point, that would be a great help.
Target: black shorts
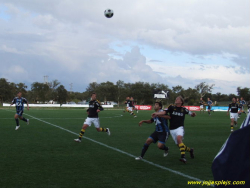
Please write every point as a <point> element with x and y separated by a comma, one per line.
<point>20,113</point>
<point>209,107</point>
<point>159,136</point>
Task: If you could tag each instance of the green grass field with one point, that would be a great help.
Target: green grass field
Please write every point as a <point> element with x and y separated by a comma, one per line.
<point>43,155</point>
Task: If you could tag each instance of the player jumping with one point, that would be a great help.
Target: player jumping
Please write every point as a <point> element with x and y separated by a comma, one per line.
<point>161,132</point>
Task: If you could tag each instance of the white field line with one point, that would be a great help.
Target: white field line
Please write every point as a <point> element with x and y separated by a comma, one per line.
<point>120,151</point>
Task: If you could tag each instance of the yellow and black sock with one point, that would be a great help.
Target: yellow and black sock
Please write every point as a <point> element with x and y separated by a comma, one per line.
<point>81,134</point>
<point>182,149</point>
<point>103,129</point>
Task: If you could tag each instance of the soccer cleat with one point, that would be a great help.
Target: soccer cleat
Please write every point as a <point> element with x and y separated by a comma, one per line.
<point>17,127</point>
<point>192,153</point>
<point>28,121</point>
<point>183,159</point>
<point>165,154</point>
<point>108,132</point>
<point>232,130</point>
<point>77,140</point>
<point>138,158</point>
<point>135,116</point>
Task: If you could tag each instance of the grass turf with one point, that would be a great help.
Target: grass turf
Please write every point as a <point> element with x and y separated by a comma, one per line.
<point>41,155</point>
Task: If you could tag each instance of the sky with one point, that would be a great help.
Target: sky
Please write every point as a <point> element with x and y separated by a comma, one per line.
<point>181,42</point>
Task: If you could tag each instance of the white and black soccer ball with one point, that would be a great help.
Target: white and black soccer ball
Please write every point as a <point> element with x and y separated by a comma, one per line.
<point>109,13</point>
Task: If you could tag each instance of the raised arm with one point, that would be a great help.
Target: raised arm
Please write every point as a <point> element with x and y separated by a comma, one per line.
<point>145,121</point>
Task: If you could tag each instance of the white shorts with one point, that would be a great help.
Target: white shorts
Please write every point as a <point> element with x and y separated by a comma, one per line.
<point>177,132</point>
<point>95,121</point>
<point>234,116</point>
<point>201,106</point>
<point>130,108</point>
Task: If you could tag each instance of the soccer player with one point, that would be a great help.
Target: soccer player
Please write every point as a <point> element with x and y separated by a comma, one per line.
<point>233,107</point>
<point>129,107</point>
<point>201,105</point>
<point>242,103</point>
<point>177,114</point>
<point>93,110</point>
<point>19,102</point>
<point>161,132</point>
<point>133,103</point>
<point>209,105</point>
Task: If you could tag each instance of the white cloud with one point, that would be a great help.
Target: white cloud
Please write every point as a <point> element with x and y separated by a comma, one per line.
<point>70,40</point>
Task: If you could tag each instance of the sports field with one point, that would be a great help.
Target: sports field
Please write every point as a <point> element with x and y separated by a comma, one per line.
<point>43,153</point>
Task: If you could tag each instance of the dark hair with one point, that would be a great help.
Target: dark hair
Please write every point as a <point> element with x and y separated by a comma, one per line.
<point>93,94</point>
<point>159,103</point>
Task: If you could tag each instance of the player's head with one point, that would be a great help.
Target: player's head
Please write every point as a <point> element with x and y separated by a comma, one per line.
<point>131,98</point>
<point>158,106</point>
<point>242,98</point>
<point>93,96</point>
<point>127,98</point>
<point>208,99</point>
<point>201,99</point>
<point>19,94</point>
<point>237,99</point>
<point>233,99</point>
<point>179,101</point>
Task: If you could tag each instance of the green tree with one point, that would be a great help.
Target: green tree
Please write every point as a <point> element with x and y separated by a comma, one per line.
<point>244,92</point>
<point>62,94</point>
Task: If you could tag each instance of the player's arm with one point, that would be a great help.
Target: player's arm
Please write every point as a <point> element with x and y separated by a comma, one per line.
<point>164,116</point>
<point>145,121</point>
<point>28,106</point>
<point>229,107</point>
<point>162,113</point>
<point>13,101</point>
<point>100,108</point>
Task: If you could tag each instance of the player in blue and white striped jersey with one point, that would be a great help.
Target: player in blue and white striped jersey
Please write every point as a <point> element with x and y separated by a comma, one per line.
<point>209,104</point>
<point>242,103</point>
<point>19,102</point>
<point>160,134</point>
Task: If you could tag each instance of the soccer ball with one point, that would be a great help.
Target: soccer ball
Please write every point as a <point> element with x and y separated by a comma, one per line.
<point>108,13</point>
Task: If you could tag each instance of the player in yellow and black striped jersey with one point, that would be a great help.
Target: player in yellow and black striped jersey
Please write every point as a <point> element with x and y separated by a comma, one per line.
<point>94,108</point>
<point>177,113</point>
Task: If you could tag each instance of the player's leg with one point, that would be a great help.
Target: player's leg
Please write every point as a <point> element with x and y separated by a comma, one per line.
<point>162,138</point>
<point>232,122</point>
<point>16,116</point>
<point>130,110</point>
<point>100,129</point>
<point>145,146</point>
<point>23,118</point>
<point>86,124</point>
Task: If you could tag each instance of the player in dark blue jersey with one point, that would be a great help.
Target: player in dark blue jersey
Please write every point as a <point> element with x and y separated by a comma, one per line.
<point>177,113</point>
<point>161,132</point>
<point>242,104</point>
<point>19,102</point>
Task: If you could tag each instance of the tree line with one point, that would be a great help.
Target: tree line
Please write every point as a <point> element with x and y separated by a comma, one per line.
<point>142,92</point>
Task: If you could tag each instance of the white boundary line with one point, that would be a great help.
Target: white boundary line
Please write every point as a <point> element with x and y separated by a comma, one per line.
<point>120,151</point>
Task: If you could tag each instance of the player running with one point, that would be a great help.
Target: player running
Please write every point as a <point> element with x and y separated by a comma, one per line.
<point>201,105</point>
<point>209,105</point>
<point>19,102</point>
<point>177,114</point>
<point>129,107</point>
<point>93,110</point>
<point>233,107</point>
<point>133,104</point>
<point>242,103</point>
<point>248,107</point>
<point>161,132</point>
